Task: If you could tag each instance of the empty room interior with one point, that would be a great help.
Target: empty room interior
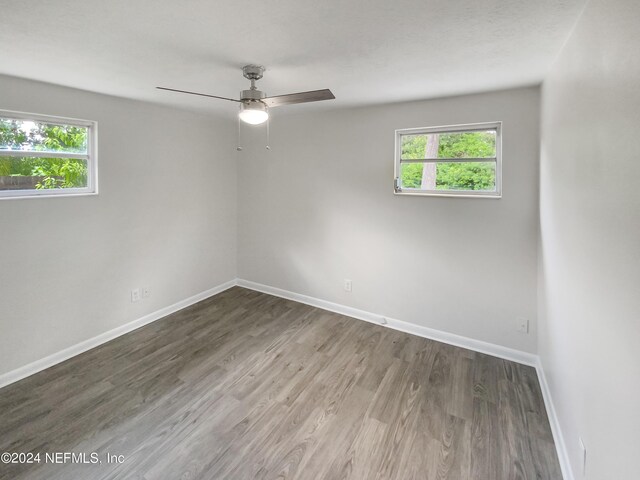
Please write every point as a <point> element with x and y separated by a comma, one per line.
<point>286,239</point>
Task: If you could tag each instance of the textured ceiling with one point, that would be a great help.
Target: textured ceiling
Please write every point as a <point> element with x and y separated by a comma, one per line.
<point>367,52</point>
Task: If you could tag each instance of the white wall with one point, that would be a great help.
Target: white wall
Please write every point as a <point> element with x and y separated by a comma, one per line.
<point>590,239</point>
<point>165,218</point>
<point>319,207</point>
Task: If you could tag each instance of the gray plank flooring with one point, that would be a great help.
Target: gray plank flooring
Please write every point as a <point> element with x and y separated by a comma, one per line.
<point>249,386</point>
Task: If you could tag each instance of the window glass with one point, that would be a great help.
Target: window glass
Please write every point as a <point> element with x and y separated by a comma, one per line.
<point>41,155</point>
<point>455,160</point>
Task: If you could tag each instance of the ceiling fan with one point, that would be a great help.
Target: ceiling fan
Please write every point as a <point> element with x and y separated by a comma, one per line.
<point>254,104</point>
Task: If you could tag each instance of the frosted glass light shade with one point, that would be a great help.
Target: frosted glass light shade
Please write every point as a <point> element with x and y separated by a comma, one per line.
<point>253,113</point>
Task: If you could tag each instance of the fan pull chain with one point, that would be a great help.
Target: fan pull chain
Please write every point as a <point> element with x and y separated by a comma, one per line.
<point>268,147</point>
<point>239,147</point>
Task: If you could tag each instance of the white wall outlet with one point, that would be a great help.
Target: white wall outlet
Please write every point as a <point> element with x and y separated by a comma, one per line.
<point>146,292</point>
<point>135,295</point>
<point>523,324</point>
<point>583,452</point>
<point>347,285</point>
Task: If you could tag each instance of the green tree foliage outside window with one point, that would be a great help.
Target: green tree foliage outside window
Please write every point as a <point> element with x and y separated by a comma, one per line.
<point>50,172</point>
<point>452,176</point>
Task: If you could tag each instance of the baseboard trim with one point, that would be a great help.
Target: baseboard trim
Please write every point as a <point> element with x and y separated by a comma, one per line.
<point>426,332</point>
<point>558,438</point>
<point>77,349</point>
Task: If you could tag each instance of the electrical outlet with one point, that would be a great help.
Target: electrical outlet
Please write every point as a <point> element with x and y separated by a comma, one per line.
<point>135,295</point>
<point>347,285</point>
<point>523,324</point>
<point>146,292</point>
<point>583,451</point>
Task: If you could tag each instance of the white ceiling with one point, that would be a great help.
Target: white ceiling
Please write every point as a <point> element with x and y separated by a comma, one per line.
<point>367,52</point>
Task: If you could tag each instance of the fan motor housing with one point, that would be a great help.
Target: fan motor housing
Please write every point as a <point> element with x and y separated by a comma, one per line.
<point>252,95</point>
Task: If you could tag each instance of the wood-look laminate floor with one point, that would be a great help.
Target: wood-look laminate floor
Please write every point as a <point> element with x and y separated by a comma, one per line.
<point>245,385</point>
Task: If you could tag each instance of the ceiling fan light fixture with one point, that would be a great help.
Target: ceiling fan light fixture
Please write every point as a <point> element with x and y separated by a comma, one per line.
<point>254,103</point>
<point>253,113</point>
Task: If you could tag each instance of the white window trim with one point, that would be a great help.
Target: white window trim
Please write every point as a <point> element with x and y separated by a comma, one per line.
<point>91,157</point>
<point>469,127</point>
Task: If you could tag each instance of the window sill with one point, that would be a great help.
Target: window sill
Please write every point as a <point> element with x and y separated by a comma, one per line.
<point>492,195</point>
<point>46,195</point>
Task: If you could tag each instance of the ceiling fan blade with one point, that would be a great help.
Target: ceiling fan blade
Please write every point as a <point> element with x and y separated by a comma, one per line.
<point>302,97</point>
<point>196,93</point>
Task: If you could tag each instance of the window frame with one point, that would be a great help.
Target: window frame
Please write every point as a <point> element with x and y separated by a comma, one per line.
<point>462,128</point>
<point>91,156</point>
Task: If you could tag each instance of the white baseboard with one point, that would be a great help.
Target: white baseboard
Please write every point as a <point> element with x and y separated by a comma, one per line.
<point>426,332</point>
<point>558,438</point>
<point>77,349</point>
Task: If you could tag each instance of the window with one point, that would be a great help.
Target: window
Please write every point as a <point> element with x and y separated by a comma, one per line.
<point>457,160</point>
<point>43,156</point>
